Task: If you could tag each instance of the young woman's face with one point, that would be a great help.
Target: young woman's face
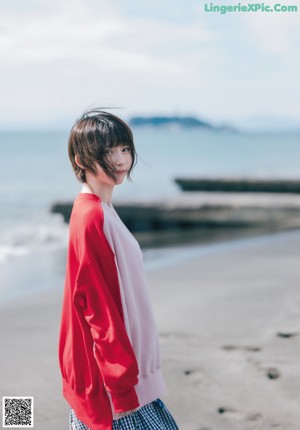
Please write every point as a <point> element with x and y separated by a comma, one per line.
<point>120,159</point>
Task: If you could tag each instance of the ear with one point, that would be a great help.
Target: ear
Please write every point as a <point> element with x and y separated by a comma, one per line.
<point>78,162</point>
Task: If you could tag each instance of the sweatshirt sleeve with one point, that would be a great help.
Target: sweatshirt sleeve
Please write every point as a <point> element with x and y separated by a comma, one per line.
<point>97,300</point>
<point>112,349</point>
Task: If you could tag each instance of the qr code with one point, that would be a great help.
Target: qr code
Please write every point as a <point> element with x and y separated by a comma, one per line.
<point>17,411</point>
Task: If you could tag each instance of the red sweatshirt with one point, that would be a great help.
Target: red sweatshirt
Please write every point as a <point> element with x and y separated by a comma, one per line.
<point>95,353</point>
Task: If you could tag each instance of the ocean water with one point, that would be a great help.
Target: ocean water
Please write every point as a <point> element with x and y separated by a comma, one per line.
<point>35,172</point>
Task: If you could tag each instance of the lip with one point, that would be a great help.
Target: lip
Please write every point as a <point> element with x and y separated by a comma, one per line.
<point>121,171</point>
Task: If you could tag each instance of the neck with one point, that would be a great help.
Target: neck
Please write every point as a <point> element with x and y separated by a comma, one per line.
<point>103,191</point>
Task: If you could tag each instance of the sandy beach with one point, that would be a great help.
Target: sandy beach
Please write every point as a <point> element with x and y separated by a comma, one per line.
<point>228,317</point>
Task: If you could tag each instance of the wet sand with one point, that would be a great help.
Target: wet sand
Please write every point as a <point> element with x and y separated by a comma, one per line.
<point>228,318</point>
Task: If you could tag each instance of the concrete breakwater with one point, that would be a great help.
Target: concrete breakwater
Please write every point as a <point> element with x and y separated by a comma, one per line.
<point>239,185</point>
<point>205,210</point>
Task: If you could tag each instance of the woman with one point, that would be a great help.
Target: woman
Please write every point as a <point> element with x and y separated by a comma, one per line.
<point>108,347</point>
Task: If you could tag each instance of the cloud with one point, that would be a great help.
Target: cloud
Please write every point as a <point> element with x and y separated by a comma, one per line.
<point>54,30</point>
<point>57,58</point>
<point>54,53</point>
<point>275,33</point>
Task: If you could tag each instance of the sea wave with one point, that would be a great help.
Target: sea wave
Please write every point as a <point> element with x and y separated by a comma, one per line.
<point>23,238</point>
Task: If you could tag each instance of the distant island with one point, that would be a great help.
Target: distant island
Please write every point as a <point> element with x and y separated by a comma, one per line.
<point>181,121</point>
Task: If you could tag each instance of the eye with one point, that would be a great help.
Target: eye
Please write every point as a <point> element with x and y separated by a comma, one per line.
<point>108,152</point>
<point>126,149</point>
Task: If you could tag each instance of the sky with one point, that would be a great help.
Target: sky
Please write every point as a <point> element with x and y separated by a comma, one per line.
<point>170,57</point>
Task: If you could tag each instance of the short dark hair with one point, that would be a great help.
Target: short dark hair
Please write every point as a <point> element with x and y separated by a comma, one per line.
<point>90,137</point>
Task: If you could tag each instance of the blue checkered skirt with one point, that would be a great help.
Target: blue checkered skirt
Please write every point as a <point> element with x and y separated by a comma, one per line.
<point>153,416</point>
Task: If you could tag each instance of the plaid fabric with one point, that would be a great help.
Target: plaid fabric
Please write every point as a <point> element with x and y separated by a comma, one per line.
<point>154,416</point>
